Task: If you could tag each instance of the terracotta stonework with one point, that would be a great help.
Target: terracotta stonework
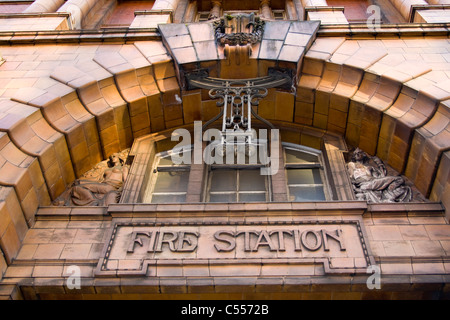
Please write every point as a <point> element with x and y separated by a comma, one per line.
<point>75,92</point>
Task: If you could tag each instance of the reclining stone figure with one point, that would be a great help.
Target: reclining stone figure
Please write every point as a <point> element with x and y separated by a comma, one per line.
<point>100,186</point>
<point>371,183</point>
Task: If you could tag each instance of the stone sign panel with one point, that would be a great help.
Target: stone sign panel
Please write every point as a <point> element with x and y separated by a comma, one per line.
<point>339,245</point>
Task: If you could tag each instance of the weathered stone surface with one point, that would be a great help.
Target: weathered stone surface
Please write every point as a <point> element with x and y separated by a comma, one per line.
<point>75,103</point>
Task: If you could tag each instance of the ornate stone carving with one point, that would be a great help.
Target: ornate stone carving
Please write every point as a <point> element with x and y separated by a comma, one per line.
<point>236,23</point>
<point>100,186</point>
<point>372,182</point>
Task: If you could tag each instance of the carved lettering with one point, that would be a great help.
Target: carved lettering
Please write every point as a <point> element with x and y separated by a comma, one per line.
<point>247,238</point>
<point>136,240</point>
<point>281,246</point>
<point>183,241</point>
<point>145,244</point>
<point>151,245</point>
<point>265,240</point>
<point>191,244</point>
<point>230,240</point>
<point>226,240</point>
<point>337,236</point>
<point>170,241</point>
<point>307,243</point>
<point>297,244</point>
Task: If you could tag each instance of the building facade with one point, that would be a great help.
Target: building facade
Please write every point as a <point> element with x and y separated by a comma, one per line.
<point>270,149</point>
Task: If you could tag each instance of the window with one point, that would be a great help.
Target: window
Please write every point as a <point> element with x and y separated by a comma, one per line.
<point>234,176</point>
<point>237,185</point>
<point>124,13</point>
<point>241,181</point>
<point>203,16</point>
<point>169,181</point>
<point>304,174</point>
<point>354,10</point>
<point>278,14</point>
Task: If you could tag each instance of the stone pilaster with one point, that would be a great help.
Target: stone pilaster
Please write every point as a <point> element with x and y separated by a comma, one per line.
<point>78,11</point>
<point>266,11</point>
<point>216,9</point>
<point>42,6</point>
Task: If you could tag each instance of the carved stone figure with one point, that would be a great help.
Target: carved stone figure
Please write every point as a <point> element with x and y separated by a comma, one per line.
<point>372,183</point>
<point>100,186</point>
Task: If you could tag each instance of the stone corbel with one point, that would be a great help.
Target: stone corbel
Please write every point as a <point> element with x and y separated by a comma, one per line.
<point>240,54</point>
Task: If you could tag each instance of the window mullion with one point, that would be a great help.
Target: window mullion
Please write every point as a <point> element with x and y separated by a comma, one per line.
<point>238,177</point>
<point>306,185</point>
<point>304,166</point>
<point>172,168</point>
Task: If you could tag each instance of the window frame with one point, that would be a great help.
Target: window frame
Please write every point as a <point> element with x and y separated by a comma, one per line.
<point>239,167</point>
<point>320,165</point>
<point>157,167</point>
<point>237,191</point>
<point>202,16</point>
<point>279,14</point>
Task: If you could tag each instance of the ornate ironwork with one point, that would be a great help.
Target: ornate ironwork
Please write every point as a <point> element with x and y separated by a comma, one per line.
<point>198,80</point>
<point>255,27</point>
<point>236,97</point>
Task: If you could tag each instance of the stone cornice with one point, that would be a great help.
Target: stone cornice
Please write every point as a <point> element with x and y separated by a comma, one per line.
<point>125,35</point>
<point>385,30</point>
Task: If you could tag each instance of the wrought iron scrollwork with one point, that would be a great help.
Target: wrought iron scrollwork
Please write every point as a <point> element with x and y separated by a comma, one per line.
<point>237,100</point>
<point>236,97</point>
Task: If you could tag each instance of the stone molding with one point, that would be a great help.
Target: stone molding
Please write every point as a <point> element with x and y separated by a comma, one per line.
<point>331,264</point>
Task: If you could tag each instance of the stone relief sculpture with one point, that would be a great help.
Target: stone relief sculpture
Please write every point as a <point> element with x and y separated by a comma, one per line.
<point>372,183</point>
<point>100,186</point>
<point>240,29</point>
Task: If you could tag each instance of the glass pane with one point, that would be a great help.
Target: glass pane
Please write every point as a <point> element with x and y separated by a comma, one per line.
<point>306,194</point>
<point>227,197</point>
<point>252,197</point>
<point>223,180</point>
<point>251,180</point>
<point>168,198</point>
<point>172,181</point>
<point>296,156</point>
<point>304,176</point>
